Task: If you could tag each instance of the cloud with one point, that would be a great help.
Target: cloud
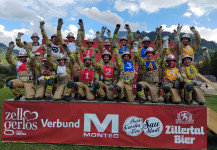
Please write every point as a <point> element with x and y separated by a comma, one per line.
<point>187,14</point>
<point>125,5</point>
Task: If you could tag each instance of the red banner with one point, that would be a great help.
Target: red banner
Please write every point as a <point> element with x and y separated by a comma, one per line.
<point>134,125</point>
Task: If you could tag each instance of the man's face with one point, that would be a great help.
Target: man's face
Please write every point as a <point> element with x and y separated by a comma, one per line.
<point>71,39</point>
<point>126,57</point>
<point>89,44</point>
<point>171,63</point>
<point>54,39</point>
<point>187,61</point>
<point>35,39</point>
<point>146,44</point>
<point>107,46</point>
<point>185,41</point>
<point>149,55</point>
<point>23,59</point>
<point>62,62</point>
<point>87,62</point>
<point>106,58</point>
<point>123,42</point>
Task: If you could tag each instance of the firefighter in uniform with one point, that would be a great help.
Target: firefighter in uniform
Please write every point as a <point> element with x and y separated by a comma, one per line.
<point>151,67</point>
<point>107,69</point>
<point>107,44</point>
<point>24,74</point>
<point>89,76</point>
<point>72,46</point>
<point>189,72</point>
<point>187,49</point>
<point>63,68</point>
<point>171,81</point>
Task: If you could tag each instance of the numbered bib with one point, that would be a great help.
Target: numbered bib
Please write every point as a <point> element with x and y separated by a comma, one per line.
<point>21,66</point>
<point>105,50</point>
<point>107,72</point>
<point>143,53</point>
<point>55,49</point>
<point>71,46</point>
<point>88,52</point>
<point>36,49</point>
<point>128,66</point>
<point>87,75</point>
<point>188,50</point>
<point>171,74</point>
<point>191,71</point>
<point>150,65</point>
<point>122,49</point>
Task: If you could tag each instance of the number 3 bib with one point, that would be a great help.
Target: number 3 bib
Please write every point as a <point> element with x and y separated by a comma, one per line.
<point>87,75</point>
<point>191,71</point>
<point>107,72</point>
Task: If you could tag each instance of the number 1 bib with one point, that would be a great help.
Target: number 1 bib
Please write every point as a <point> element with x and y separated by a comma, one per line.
<point>191,70</point>
<point>150,65</point>
<point>88,52</point>
<point>87,75</point>
<point>107,72</point>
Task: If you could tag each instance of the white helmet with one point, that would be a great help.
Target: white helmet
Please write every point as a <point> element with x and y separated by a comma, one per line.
<point>171,57</point>
<point>45,57</point>
<point>107,53</point>
<point>22,53</point>
<point>146,38</point>
<point>61,56</point>
<point>186,56</point>
<point>126,53</point>
<point>35,35</point>
<point>89,40</point>
<point>70,34</point>
<point>87,57</point>
<point>186,35</point>
<point>124,38</point>
<point>107,42</point>
<point>149,49</point>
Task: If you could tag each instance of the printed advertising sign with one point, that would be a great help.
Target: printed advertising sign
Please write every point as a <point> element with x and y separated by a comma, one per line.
<point>134,125</point>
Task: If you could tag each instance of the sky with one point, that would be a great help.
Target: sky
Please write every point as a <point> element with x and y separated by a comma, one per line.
<point>143,15</point>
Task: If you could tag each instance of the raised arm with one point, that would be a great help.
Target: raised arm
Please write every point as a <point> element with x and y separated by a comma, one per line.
<point>206,61</point>
<point>81,24</point>
<point>44,34</point>
<point>59,34</point>
<point>197,38</point>
<point>18,40</point>
<point>8,56</point>
<point>50,63</point>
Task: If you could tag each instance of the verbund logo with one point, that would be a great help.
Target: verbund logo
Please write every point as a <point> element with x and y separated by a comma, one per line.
<point>101,127</point>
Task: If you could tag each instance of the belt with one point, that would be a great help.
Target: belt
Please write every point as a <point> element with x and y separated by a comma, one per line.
<point>61,82</point>
<point>25,78</point>
<point>124,77</point>
<point>89,84</point>
<point>151,79</point>
<point>106,82</point>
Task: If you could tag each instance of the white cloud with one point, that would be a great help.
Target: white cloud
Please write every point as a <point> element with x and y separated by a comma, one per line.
<point>121,5</point>
<point>187,14</point>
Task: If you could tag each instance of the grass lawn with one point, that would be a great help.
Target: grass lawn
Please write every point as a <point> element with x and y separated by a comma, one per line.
<point>211,101</point>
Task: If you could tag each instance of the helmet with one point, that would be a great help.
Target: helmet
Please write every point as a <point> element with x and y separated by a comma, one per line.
<point>22,53</point>
<point>61,56</point>
<point>171,57</point>
<point>45,57</point>
<point>107,42</point>
<point>87,57</point>
<point>89,40</point>
<point>123,38</point>
<point>35,35</point>
<point>126,53</point>
<point>70,34</point>
<point>146,38</point>
<point>107,53</point>
<point>54,35</point>
<point>186,56</point>
<point>149,49</point>
<point>186,35</point>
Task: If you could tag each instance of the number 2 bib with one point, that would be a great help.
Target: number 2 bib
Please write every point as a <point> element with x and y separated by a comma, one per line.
<point>150,65</point>
<point>191,70</point>
<point>88,52</point>
<point>107,72</point>
<point>171,74</point>
<point>87,75</point>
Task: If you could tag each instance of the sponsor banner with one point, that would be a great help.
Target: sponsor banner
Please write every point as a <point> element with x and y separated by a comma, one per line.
<point>134,125</point>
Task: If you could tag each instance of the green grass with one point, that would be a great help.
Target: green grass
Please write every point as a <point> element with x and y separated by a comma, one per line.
<point>211,101</point>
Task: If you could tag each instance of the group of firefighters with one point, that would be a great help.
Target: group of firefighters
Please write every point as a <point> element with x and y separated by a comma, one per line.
<point>54,67</point>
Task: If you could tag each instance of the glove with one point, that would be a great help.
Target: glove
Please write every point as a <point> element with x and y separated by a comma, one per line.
<point>49,49</point>
<point>10,47</point>
<point>98,36</point>
<point>80,22</point>
<point>179,29</point>
<point>165,42</point>
<point>117,28</point>
<point>65,47</point>
<point>60,23</point>
<point>79,35</point>
<point>205,51</point>
<point>42,25</point>
<point>111,87</point>
<point>193,29</point>
<point>26,47</point>
<point>135,47</point>
<point>94,53</point>
<point>179,76</point>
<point>196,83</point>
<point>176,35</point>
<point>109,33</point>
<point>159,31</point>
<point>78,48</point>
<point>127,27</point>
<point>41,78</point>
<point>103,30</point>
<point>19,35</point>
